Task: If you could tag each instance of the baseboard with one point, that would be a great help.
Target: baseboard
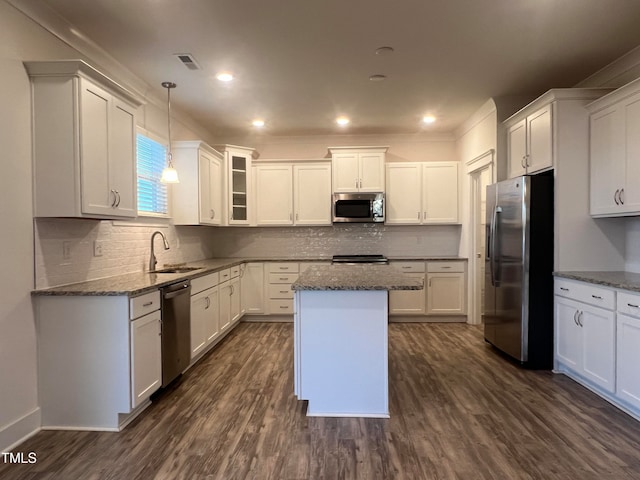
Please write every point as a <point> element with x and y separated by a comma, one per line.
<point>427,319</point>
<point>268,318</point>
<point>15,433</point>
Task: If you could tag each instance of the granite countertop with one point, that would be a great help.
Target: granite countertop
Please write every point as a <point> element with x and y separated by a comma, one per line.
<point>133,284</point>
<point>355,277</point>
<point>616,279</point>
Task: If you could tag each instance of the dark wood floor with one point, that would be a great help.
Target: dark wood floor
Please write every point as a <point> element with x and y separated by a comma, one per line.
<point>458,411</point>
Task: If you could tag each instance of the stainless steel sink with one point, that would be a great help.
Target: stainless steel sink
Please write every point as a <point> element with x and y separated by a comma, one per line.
<point>176,270</point>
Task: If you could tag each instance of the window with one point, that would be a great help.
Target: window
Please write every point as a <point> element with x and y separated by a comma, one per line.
<point>152,194</point>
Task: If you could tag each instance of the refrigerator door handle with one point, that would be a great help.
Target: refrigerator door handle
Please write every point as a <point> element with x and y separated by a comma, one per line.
<point>492,245</point>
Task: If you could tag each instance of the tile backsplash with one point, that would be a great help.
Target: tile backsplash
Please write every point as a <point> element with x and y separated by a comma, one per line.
<point>64,248</point>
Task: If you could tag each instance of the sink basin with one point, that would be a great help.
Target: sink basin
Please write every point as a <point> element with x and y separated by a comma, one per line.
<point>177,270</point>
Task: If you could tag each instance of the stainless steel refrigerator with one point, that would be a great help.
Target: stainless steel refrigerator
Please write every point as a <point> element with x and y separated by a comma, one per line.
<point>518,308</point>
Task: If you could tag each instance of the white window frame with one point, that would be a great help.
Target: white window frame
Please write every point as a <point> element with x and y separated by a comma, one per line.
<point>165,142</point>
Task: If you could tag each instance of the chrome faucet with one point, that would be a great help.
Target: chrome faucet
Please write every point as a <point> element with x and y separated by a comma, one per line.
<point>153,261</point>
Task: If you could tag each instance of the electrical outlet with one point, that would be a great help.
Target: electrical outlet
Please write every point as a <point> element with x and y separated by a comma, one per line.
<point>66,250</point>
<point>97,248</point>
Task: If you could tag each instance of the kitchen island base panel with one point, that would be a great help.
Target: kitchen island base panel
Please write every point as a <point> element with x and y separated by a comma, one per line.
<point>343,352</point>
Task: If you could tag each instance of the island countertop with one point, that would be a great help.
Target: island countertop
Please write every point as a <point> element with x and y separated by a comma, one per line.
<point>355,277</point>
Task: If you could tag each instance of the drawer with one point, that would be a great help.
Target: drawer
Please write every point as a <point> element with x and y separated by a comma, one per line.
<point>410,267</point>
<point>281,306</point>
<point>629,303</point>
<point>282,278</point>
<point>235,271</point>
<point>225,275</point>
<point>281,290</point>
<point>445,267</point>
<point>285,267</point>
<point>585,292</point>
<point>147,303</point>
<point>206,281</point>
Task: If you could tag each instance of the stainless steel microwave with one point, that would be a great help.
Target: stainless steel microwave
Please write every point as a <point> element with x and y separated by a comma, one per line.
<point>358,207</point>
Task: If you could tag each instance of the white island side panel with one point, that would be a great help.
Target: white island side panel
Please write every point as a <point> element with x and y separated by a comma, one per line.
<point>343,352</point>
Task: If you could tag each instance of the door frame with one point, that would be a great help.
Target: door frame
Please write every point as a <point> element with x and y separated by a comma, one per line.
<point>473,167</point>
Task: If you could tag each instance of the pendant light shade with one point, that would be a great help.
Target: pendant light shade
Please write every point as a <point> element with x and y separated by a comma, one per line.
<point>169,174</point>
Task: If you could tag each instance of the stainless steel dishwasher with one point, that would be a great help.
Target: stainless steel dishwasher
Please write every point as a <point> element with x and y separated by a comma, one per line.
<point>176,330</point>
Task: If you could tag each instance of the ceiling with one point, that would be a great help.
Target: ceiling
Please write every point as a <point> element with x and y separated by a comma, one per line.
<point>300,63</point>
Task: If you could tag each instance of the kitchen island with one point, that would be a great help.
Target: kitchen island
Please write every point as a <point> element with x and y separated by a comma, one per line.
<point>341,338</point>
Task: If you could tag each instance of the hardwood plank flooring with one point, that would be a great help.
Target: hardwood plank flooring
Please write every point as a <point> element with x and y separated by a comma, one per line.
<point>458,410</point>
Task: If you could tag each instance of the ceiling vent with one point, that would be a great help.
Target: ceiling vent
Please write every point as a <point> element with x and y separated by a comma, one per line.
<point>188,61</point>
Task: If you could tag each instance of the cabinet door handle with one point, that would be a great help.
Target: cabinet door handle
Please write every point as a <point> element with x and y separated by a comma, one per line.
<point>575,318</point>
<point>118,202</point>
<point>418,215</point>
<point>597,297</point>
<point>526,160</point>
<point>208,303</point>
<point>632,305</point>
<point>620,196</point>
<point>212,213</point>
<point>296,217</point>
<point>113,203</point>
<point>579,319</point>
<point>522,162</point>
<point>290,216</point>
<point>615,197</point>
<point>564,289</point>
<point>430,282</point>
<point>356,180</point>
<point>231,290</point>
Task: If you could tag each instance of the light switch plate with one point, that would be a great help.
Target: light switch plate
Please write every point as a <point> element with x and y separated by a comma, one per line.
<point>97,248</point>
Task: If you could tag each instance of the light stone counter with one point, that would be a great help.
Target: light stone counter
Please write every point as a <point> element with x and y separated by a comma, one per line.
<point>616,279</point>
<point>355,277</point>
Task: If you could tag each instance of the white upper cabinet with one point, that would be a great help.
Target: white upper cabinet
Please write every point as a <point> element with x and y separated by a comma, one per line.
<point>312,194</point>
<point>197,199</point>
<point>358,169</point>
<point>238,195</point>
<point>293,194</point>
<point>420,193</point>
<point>615,153</point>
<point>529,142</point>
<point>84,142</point>
<point>274,194</point>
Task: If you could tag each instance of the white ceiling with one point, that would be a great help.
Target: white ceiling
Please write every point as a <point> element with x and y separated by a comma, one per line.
<point>300,63</point>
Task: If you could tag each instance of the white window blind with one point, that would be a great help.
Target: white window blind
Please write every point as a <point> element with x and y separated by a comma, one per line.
<point>152,194</point>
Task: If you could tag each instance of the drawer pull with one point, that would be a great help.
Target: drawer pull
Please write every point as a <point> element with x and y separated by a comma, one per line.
<point>597,297</point>
<point>148,304</point>
<point>406,267</point>
<point>284,306</point>
<point>632,305</point>
<point>283,268</point>
<point>445,266</point>
<point>564,289</point>
<point>284,291</point>
<point>285,278</point>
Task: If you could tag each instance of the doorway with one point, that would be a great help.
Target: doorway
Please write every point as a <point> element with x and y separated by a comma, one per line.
<point>480,175</point>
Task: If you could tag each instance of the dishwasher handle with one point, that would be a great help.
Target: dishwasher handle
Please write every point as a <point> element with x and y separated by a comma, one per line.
<point>176,289</point>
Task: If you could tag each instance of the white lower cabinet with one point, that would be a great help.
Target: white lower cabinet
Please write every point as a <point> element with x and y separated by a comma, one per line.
<point>408,302</point>
<point>230,293</point>
<point>83,339</point>
<point>446,288</point>
<point>585,330</point>
<point>253,288</point>
<point>628,349</point>
<point>281,276</point>
<point>146,357</point>
<point>205,315</point>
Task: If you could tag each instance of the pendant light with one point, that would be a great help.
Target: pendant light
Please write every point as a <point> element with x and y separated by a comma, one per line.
<point>169,174</point>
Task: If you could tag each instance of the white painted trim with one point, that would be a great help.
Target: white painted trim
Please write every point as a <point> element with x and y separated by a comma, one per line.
<point>611,73</point>
<point>480,161</point>
<point>18,431</point>
<point>488,108</point>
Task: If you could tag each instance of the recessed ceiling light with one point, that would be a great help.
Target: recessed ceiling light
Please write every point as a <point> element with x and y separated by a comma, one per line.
<point>377,77</point>
<point>428,119</point>
<point>384,51</point>
<point>342,121</point>
<point>224,77</point>
<point>258,123</point>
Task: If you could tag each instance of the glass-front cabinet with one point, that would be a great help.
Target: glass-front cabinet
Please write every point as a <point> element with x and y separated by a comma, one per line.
<point>238,196</point>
